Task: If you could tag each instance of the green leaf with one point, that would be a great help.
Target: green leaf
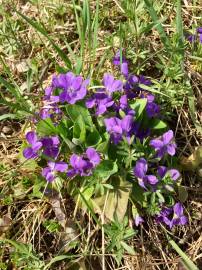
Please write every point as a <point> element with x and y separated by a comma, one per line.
<point>108,186</point>
<point>56,259</point>
<point>8,115</point>
<point>38,187</point>
<point>129,249</point>
<point>90,209</point>
<point>46,127</point>
<point>79,130</point>
<point>138,195</point>
<point>139,106</point>
<point>182,194</point>
<point>103,147</point>
<point>63,130</point>
<point>105,169</point>
<point>74,111</point>
<point>87,194</point>
<point>93,138</point>
<point>78,67</point>
<point>157,124</point>
<point>129,233</point>
<point>160,196</point>
<point>114,203</point>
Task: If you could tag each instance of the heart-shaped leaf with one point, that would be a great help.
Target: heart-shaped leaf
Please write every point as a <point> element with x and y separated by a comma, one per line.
<point>114,202</point>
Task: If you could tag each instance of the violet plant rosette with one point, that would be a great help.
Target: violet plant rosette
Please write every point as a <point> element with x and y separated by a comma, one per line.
<point>109,139</point>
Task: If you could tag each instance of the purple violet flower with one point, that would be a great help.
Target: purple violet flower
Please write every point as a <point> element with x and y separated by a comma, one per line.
<point>123,102</point>
<point>173,173</point>
<point>139,131</point>
<point>74,88</point>
<point>144,80</point>
<point>117,59</point>
<point>124,106</point>
<point>51,146</point>
<point>93,156</point>
<point>152,109</point>
<point>178,217</point>
<point>132,88</point>
<point>83,165</point>
<point>113,126</point>
<point>172,216</point>
<point>48,93</point>
<point>49,111</point>
<point>140,171</point>
<point>193,38</point>
<point>35,145</point>
<point>117,128</point>
<point>138,220</point>
<point>101,101</point>
<point>124,63</point>
<point>111,85</point>
<point>76,91</point>
<point>62,81</point>
<point>50,172</point>
<point>199,31</point>
<point>163,217</point>
<point>50,106</point>
<point>164,144</point>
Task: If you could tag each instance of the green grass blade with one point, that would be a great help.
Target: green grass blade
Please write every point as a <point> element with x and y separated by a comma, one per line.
<point>86,17</point>
<point>94,30</point>
<point>43,31</point>
<point>89,208</point>
<point>192,107</point>
<point>195,57</point>
<point>179,23</point>
<point>57,259</point>
<point>8,115</point>
<point>187,262</point>
<point>179,31</point>
<point>20,103</point>
<point>79,29</point>
<point>10,87</point>
<point>18,107</point>
<point>164,38</point>
<point>193,111</point>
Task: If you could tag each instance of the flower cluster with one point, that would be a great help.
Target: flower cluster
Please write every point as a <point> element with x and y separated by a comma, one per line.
<point>49,147</point>
<point>117,125</point>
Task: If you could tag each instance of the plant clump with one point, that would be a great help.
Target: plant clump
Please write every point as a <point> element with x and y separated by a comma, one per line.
<point>109,138</point>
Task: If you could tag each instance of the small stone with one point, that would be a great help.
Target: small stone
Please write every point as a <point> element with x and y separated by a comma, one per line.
<point>7,130</point>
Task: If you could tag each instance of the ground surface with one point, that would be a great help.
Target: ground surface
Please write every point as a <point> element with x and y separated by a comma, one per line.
<point>28,61</point>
